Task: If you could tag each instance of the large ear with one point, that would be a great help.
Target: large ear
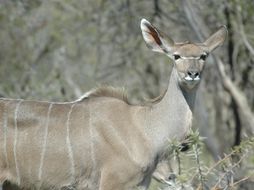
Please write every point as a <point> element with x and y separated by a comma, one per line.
<point>155,40</point>
<point>217,39</point>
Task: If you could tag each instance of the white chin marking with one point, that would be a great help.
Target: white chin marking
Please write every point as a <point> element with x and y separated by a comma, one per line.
<point>188,78</point>
<point>197,78</point>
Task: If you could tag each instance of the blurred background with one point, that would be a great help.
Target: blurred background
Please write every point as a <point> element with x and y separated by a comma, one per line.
<point>56,50</point>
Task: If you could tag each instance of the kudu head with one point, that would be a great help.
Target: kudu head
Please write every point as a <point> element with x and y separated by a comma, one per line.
<point>189,58</point>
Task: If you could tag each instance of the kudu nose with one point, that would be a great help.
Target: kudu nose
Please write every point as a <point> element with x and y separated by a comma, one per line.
<point>193,74</point>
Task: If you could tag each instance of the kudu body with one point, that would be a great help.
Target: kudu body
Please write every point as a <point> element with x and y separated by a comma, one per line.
<point>101,141</point>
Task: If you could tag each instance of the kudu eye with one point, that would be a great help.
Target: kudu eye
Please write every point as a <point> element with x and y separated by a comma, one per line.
<point>203,57</point>
<point>176,56</point>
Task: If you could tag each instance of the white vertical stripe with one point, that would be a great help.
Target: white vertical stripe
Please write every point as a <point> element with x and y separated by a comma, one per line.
<point>16,141</point>
<point>91,137</point>
<point>44,142</point>
<point>68,142</point>
<point>5,127</point>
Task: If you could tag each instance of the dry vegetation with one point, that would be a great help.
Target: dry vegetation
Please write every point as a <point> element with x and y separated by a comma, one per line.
<point>58,49</point>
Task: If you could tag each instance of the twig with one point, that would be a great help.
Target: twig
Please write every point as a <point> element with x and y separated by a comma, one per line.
<point>232,167</point>
<point>220,161</point>
<point>240,181</point>
<point>201,177</point>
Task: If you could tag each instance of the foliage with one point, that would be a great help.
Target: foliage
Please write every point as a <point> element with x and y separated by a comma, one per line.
<point>226,173</point>
<point>56,50</point>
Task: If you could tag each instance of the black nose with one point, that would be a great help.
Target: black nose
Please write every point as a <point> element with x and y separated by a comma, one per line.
<point>193,74</point>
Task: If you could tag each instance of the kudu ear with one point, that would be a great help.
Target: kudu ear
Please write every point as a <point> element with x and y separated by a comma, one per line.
<point>155,40</point>
<point>217,39</point>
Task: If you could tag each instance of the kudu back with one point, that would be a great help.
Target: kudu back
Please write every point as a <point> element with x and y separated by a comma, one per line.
<point>101,141</point>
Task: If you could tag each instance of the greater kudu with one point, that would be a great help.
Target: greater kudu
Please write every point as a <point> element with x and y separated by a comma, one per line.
<point>101,141</point>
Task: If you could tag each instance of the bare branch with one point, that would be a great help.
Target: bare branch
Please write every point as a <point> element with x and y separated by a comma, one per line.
<point>242,32</point>
<point>239,98</point>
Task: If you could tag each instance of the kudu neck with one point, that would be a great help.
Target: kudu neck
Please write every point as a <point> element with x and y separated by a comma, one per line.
<point>171,118</point>
<point>177,94</point>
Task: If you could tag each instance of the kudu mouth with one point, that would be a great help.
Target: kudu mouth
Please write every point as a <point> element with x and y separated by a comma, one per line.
<point>190,81</point>
<point>189,77</point>
<point>192,77</point>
